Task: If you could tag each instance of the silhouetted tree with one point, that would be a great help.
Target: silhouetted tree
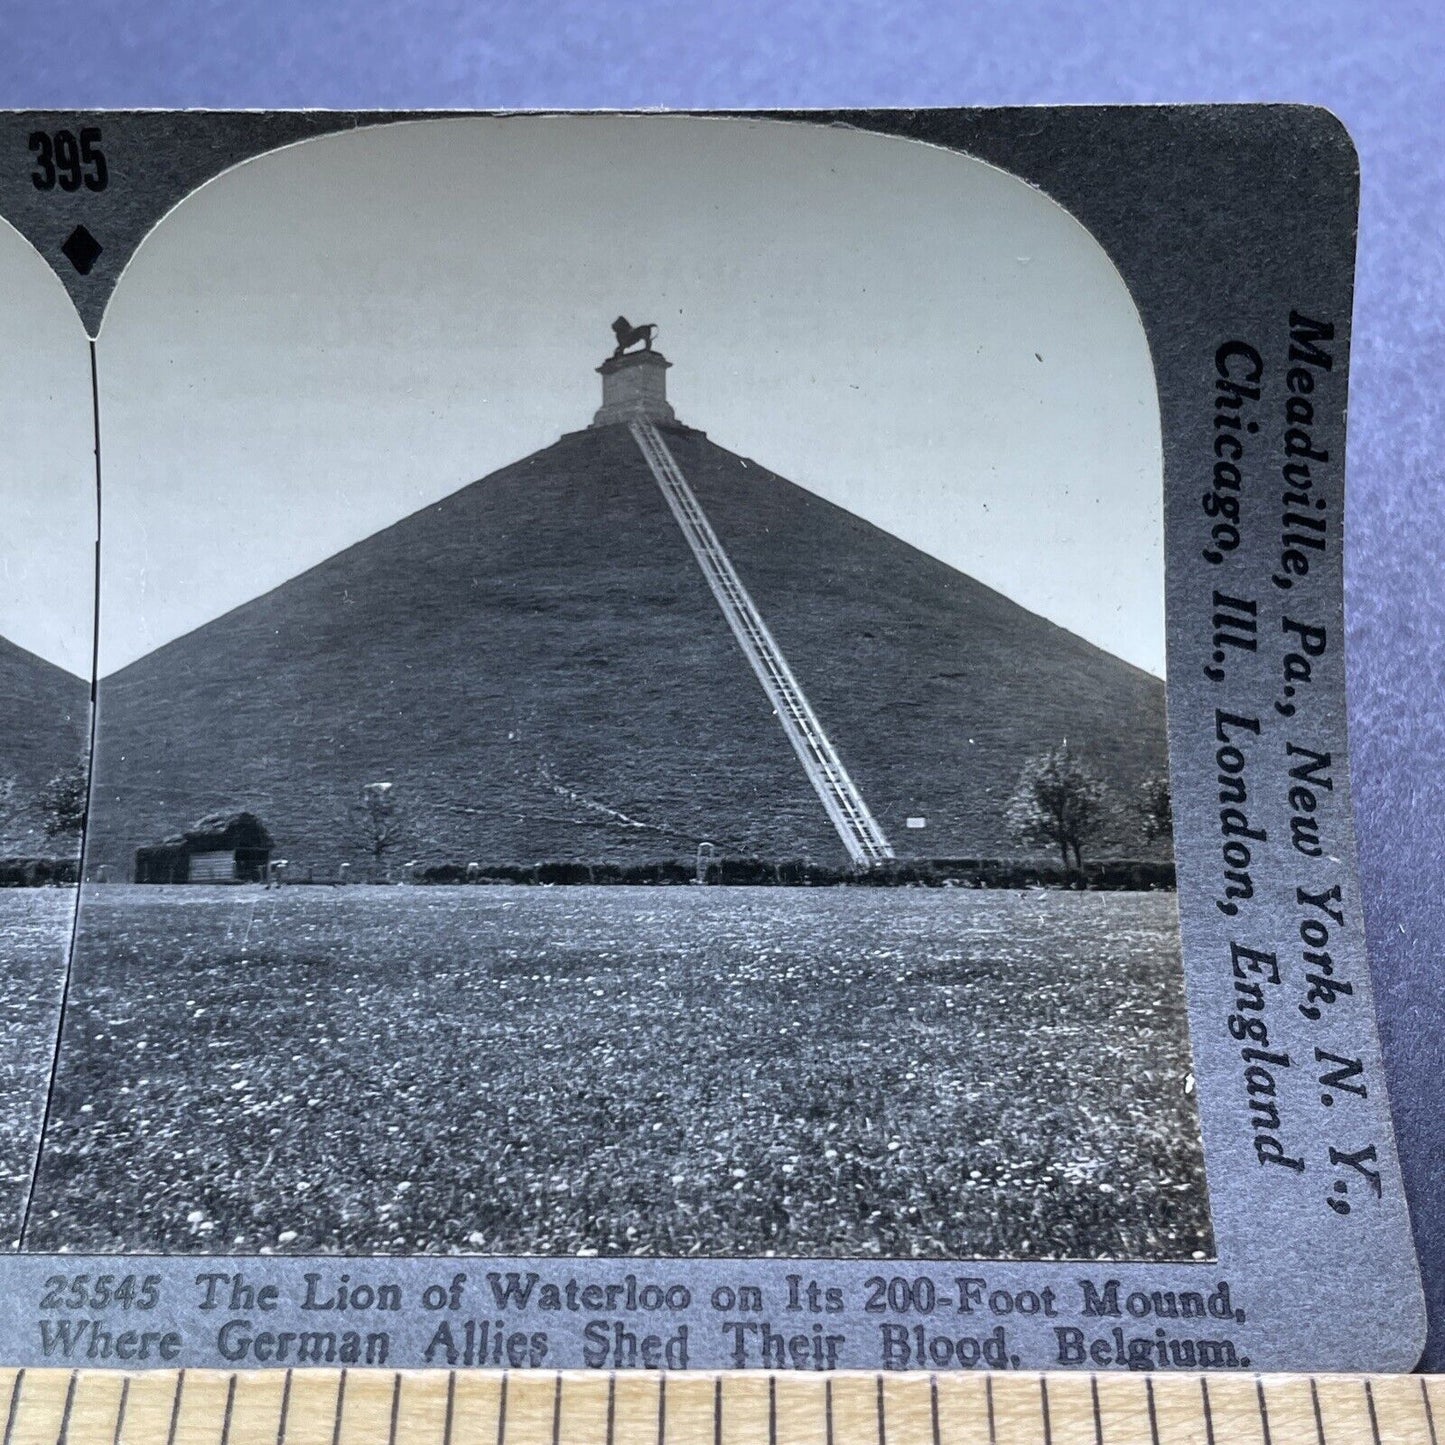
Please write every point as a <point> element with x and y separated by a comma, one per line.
<point>1057,803</point>
<point>377,822</point>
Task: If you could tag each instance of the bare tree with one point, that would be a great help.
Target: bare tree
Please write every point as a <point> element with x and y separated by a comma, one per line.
<point>1059,803</point>
<point>63,801</point>
<point>1156,807</point>
<point>377,822</point>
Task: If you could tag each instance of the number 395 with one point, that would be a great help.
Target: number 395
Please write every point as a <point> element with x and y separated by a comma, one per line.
<point>68,161</point>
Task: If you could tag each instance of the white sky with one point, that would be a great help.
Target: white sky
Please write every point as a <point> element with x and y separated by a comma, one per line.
<point>329,337</point>
<point>47,463</point>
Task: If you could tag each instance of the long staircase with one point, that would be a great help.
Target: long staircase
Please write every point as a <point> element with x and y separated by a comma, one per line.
<point>859,830</point>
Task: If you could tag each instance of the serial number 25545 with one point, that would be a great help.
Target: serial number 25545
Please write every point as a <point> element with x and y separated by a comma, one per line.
<point>101,1291</point>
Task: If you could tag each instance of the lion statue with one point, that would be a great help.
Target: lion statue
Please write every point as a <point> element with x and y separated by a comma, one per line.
<point>629,335</point>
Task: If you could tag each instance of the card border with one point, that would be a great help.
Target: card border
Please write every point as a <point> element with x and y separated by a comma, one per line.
<point>1226,220</point>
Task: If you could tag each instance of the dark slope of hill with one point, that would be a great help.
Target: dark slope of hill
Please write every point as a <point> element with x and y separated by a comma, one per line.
<point>44,726</point>
<point>538,666</point>
<point>534,662</point>
<point>935,688</point>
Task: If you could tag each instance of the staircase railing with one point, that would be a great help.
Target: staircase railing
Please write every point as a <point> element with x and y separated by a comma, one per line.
<point>836,790</point>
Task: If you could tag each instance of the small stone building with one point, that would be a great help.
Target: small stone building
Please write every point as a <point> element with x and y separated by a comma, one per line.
<point>221,848</point>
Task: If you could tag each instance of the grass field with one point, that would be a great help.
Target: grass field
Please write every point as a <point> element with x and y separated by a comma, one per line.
<point>34,938</point>
<point>625,1071</point>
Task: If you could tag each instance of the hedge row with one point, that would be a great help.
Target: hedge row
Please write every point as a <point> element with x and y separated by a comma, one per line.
<point>1131,876</point>
<point>38,872</point>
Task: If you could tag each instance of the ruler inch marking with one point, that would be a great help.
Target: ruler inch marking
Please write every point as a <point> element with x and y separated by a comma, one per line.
<point>828,1410</point>
<point>661,1406</point>
<point>882,1415</point>
<point>502,1411</point>
<point>14,1405</point>
<point>933,1409</point>
<point>557,1413</point>
<point>1263,1409</point>
<point>451,1407</point>
<point>176,1407</point>
<point>1429,1413</point>
<point>396,1406</point>
<point>1370,1405</point>
<point>1153,1411</point>
<point>1208,1410</point>
<point>230,1410</point>
<point>716,1411</point>
<point>285,1410</point>
<point>1098,1413</point>
<point>119,1414</point>
<point>340,1406</point>
<point>1319,1418</point>
<point>64,1434</point>
<point>988,1395</point>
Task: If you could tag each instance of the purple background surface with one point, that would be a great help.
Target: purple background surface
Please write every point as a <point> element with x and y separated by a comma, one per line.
<point>1381,68</point>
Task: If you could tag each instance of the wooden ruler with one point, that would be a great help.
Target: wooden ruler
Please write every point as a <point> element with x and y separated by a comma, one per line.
<point>435,1407</point>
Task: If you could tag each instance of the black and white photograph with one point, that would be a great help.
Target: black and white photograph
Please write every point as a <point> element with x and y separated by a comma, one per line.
<point>630,715</point>
<point>47,634</point>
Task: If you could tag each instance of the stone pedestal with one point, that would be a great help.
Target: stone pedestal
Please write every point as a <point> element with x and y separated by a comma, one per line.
<point>634,388</point>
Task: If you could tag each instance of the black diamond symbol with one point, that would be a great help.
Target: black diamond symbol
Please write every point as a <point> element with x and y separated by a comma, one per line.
<point>82,250</point>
